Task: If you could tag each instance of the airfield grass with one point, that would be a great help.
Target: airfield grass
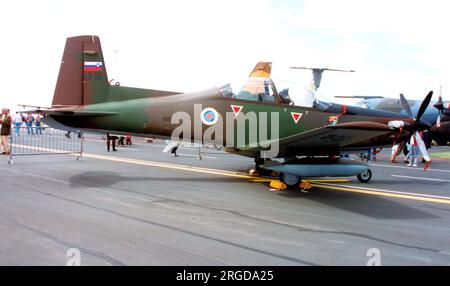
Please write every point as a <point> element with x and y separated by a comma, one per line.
<point>442,155</point>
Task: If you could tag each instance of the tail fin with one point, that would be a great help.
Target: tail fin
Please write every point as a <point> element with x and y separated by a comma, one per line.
<point>315,82</point>
<point>262,69</point>
<point>82,76</point>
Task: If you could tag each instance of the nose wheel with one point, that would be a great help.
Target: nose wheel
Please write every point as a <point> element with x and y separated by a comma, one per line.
<point>365,177</point>
<point>291,181</point>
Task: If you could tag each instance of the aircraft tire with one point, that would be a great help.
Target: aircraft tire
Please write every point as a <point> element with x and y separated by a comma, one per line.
<point>291,181</point>
<point>365,177</point>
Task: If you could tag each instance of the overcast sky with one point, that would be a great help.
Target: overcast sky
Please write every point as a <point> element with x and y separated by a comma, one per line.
<point>395,46</point>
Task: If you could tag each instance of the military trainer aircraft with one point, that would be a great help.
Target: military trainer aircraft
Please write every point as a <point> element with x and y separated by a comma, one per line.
<point>257,122</point>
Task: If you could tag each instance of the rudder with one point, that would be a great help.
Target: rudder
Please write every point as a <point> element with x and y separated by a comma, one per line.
<point>82,78</point>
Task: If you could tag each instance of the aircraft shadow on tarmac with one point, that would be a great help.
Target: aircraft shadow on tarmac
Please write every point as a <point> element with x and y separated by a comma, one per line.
<point>370,206</point>
<point>366,205</point>
<point>107,179</point>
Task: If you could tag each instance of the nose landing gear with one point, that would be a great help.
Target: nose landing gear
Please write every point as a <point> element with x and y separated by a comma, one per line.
<point>365,177</point>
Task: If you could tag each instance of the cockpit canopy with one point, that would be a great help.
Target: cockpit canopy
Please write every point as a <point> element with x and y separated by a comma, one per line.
<point>258,89</point>
<point>263,89</point>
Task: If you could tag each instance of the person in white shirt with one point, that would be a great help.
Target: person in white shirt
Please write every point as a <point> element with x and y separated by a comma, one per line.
<point>17,121</point>
<point>414,151</point>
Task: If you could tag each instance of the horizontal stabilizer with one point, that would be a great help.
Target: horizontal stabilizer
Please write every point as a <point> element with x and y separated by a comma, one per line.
<point>68,112</point>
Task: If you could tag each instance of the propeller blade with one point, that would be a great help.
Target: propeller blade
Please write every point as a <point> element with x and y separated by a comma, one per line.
<point>439,105</point>
<point>423,149</point>
<point>424,105</point>
<point>406,105</point>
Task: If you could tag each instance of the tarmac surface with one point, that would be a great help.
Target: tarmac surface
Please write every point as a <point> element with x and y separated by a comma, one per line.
<point>139,206</point>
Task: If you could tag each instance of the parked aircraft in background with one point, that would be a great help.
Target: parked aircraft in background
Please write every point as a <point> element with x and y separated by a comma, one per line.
<point>437,114</point>
<point>438,117</point>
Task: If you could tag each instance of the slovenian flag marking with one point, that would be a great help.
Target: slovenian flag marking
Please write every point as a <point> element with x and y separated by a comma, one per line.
<point>93,66</point>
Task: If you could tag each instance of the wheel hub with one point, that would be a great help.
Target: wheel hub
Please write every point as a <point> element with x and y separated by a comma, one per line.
<point>290,179</point>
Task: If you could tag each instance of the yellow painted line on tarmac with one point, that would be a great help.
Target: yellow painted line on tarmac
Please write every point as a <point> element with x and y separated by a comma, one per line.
<point>170,166</point>
<point>329,181</point>
<point>381,193</point>
<point>316,183</point>
<point>268,180</point>
<point>150,163</point>
<point>261,180</point>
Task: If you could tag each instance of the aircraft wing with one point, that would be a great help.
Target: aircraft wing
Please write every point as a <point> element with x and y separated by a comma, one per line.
<point>339,135</point>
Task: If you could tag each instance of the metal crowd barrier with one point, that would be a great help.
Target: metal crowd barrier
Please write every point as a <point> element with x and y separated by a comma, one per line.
<point>202,149</point>
<point>30,141</point>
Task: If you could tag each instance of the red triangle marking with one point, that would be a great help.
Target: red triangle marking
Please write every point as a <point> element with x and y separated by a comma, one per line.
<point>296,116</point>
<point>236,109</point>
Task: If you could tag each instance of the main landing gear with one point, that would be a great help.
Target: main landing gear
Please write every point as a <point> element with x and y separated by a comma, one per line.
<point>291,181</point>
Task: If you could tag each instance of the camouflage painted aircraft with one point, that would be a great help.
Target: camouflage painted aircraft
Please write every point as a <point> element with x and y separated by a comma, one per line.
<point>310,140</point>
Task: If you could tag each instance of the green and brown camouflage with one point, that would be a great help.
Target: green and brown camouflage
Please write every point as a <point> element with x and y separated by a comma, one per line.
<point>85,100</point>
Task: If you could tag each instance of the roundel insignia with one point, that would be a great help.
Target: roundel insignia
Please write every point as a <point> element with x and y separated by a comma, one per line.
<point>209,116</point>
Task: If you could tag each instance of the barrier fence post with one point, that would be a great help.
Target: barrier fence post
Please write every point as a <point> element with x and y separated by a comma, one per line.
<point>81,146</point>
<point>10,161</point>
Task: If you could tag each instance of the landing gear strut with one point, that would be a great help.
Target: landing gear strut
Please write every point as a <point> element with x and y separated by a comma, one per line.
<point>291,181</point>
<point>365,177</point>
